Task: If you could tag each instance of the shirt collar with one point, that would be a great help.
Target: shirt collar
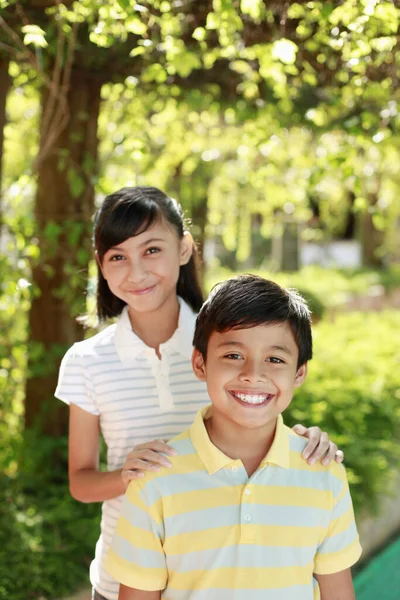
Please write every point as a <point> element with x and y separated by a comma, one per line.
<point>279,453</point>
<point>129,346</point>
<point>182,338</point>
<point>214,460</point>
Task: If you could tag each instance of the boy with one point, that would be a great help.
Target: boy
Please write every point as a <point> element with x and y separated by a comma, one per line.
<point>239,515</point>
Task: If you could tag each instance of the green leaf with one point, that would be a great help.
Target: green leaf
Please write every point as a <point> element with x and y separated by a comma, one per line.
<point>124,4</point>
<point>76,183</point>
<point>384,44</point>
<point>75,230</point>
<point>135,25</point>
<point>199,34</point>
<point>137,51</point>
<point>185,63</point>
<point>252,8</point>
<point>212,21</point>
<point>52,232</point>
<point>82,256</point>
<point>154,72</point>
<point>285,51</point>
<point>34,35</point>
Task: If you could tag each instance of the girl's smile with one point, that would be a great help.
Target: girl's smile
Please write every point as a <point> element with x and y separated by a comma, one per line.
<point>142,291</point>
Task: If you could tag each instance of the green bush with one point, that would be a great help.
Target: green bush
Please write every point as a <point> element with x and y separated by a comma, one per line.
<point>331,287</point>
<point>47,538</point>
<point>353,392</point>
<point>315,304</point>
<point>14,302</point>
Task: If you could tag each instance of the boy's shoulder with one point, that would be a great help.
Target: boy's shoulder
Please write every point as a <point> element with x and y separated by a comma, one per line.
<point>297,444</point>
<point>184,463</point>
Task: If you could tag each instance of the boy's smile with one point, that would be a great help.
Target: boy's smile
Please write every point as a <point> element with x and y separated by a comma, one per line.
<point>251,398</point>
<point>251,374</point>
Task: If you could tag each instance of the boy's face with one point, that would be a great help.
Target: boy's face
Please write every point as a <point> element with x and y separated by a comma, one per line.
<point>251,373</point>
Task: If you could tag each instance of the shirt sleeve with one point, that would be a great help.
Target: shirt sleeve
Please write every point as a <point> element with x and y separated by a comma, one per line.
<point>136,557</point>
<point>340,548</point>
<point>74,383</point>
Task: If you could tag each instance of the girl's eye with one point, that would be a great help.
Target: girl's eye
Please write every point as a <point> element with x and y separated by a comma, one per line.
<point>233,356</point>
<point>116,257</point>
<point>152,250</point>
<point>275,360</point>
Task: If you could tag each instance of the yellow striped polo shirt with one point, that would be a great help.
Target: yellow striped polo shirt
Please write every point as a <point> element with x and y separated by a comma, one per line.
<point>204,530</point>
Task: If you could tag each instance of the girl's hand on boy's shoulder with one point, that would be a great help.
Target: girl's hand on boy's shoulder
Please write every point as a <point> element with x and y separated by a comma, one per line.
<point>319,447</point>
<point>146,457</point>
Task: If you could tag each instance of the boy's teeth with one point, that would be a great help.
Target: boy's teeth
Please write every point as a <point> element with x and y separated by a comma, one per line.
<point>252,398</point>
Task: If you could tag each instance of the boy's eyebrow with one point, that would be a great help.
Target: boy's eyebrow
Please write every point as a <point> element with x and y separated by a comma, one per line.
<point>284,349</point>
<point>232,343</point>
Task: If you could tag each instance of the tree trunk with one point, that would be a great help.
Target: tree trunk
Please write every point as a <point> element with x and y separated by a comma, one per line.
<point>199,218</point>
<point>5,83</point>
<point>64,205</point>
<point>372,238</point>
<point>290,255</point>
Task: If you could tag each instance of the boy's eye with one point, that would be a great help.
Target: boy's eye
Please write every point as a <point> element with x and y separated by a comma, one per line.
<point>275,360</point>
<point>233,356</point>
<point>152,250</point>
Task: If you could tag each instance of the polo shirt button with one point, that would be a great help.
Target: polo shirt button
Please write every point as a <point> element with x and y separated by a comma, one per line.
<point>247,517</point>
<point>234,469</point>
<point>247,492</point>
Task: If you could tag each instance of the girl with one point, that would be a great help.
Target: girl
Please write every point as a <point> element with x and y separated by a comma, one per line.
<point>133,381</point>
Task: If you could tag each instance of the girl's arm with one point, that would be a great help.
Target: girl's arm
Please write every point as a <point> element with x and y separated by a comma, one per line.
<point>337,586</point>
<point>86,482</point>
<point>127,593</point>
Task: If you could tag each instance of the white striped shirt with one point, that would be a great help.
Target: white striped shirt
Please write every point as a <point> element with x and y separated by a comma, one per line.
<point>138,397</point>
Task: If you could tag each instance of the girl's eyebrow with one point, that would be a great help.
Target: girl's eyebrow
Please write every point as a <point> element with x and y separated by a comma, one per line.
<point>150,241</point>
<point>115,248</point>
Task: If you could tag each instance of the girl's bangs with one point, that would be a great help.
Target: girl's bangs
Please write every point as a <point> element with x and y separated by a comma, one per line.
<point>124,221</point>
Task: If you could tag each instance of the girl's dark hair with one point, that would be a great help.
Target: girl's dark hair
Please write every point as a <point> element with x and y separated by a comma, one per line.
<point>127,213</point>
<point>246,301</point>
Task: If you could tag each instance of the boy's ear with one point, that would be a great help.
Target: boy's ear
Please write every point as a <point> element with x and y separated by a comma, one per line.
<point>198,364</point>
<point>187,244</point>
<point>300,375</point>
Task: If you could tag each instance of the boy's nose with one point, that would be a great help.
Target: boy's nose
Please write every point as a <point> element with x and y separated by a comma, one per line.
<point>253,373</point>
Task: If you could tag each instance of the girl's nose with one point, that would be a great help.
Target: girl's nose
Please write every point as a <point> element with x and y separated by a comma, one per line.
<point>137,272</point>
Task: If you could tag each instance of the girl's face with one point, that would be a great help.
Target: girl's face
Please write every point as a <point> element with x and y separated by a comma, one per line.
<point>143,270</point>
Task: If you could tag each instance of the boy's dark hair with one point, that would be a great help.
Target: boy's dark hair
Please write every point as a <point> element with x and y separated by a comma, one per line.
<point>127,213</point>
<point>247,301</point>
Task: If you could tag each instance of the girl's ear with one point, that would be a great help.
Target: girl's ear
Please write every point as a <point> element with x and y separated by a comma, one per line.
<point>186,248</point>
<point>198,364</point>
<point>300,375</point>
